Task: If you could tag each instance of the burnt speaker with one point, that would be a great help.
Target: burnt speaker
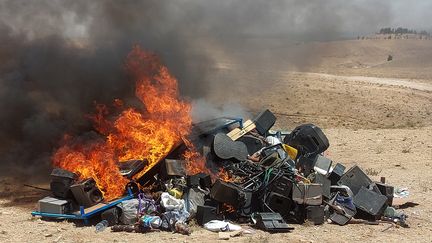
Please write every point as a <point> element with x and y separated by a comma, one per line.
<point>86,193</point>
<point>205,214</point>
<point>279,203</point>
<point>264,121</point>
<point>225,192</point>
<point>61,180</point>
<point>308,139</point>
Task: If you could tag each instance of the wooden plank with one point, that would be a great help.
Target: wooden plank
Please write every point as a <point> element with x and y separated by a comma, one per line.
<point>236,133</point>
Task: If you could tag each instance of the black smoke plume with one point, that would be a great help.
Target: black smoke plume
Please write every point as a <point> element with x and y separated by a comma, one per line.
<point>57,58</point>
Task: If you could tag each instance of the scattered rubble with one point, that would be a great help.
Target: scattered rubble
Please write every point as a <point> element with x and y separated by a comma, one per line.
<point>269,179</point>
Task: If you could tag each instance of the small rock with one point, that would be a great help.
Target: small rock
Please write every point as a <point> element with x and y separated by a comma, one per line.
<point>48,235</point>
<point>3,232</point>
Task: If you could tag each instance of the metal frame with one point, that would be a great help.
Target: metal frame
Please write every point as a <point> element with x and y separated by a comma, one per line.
<point>82,215</point>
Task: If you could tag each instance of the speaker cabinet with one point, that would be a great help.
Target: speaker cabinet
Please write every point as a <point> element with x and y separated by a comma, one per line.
<point>86,193</point>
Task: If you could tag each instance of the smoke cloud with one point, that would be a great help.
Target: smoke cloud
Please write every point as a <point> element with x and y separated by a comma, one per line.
<point>59,57</point>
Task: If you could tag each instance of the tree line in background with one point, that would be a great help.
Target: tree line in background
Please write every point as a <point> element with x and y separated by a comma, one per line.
<point>401,30</point>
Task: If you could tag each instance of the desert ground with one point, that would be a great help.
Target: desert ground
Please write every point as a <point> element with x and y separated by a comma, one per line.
<point>376,114</point>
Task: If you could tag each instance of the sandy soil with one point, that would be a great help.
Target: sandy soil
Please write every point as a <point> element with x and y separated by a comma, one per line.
<point>377,115</point>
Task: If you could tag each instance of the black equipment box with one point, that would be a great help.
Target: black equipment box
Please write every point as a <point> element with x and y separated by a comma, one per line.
<point>355,178</point>
<point>201,179</point>
<point>308,139</point>
<point>227,193</point>
<point>271,222</point>
<point>193,181</point>
<point>308,194</point>
<point>315,214</point>
<point>250,205</point>
<point>387,191</point>
<point>370,201</point>
<point>264,121</point>
<point>86,193</point>
<point>61,180</point>
<point>279,204</point>
<point>205,214</point>
<point>325,182</point>
<point>205,180</point>
<point>336,173</point>
<point>282,186</point>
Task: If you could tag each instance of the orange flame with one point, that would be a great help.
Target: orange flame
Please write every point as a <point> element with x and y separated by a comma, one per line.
<point>134,134</point>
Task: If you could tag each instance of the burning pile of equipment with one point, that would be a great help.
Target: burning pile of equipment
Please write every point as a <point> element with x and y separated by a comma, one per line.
<point>150,168</point>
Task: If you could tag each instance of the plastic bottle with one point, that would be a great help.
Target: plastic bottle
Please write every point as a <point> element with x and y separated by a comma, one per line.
<point>101,226</point>
<point>152,222</point>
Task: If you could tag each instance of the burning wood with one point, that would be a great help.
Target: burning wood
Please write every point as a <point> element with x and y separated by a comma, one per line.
<point>148,134</point>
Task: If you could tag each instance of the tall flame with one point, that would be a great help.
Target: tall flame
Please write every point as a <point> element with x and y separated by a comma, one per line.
<point>133,134</point>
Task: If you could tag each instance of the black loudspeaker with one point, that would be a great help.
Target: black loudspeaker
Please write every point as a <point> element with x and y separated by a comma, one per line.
<point>193,181</point>
<point>308,139</point>
<point>86,193</point>
<point>205,214</point>
<point>370,202</point>
<point>61,180</point>
<point>325,182</point>
<point>264,121</point>
<point>205,180</point>
<point>227,193</point>
<point>201,179</point>
<point>336,173</point>
<point>250,204</point>
<point>282,186</point>
<point>355,178</point>
<point>279,203</point>
<point>387,191</point>
<point>315,214</point>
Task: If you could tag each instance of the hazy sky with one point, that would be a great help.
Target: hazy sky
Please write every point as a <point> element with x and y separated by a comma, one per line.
<point>298,18</point>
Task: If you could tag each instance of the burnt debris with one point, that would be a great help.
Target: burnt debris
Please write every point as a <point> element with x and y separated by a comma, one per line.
<point>253,175</point>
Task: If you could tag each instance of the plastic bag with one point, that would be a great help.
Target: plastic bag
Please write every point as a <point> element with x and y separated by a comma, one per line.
<point>219,225</point>
<point>171,203</point>
<point>129,211</point>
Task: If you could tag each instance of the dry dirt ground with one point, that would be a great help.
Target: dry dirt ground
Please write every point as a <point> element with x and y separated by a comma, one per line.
<point>377,115</point>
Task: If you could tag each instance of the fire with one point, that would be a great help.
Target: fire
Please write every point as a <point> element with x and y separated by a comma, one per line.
<point>134,134</point>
